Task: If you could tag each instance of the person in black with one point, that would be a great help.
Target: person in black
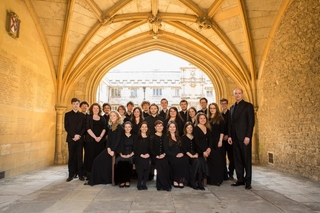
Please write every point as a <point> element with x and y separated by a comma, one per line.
<point>106,110</point>
<point>101,172</point>
<point>228,148</point>
<point>95,140</point>
<point>203,139</point>
<point>174,115</point>
<point>241,123</point>
<point>122,111</point>
<point>153,118</point>
<point>142,156</point>
<point>217,128</point>
<point>74,124</point>
<point>145,108</point>
<point>178,161</point>
<point>129,111</point>
<point>203,103</point>
<point>164,108</point>
<point>192,112</point>
<point>197,163</point>
<point>184,111</point>
<point>136,119</point>
<point>158,148</point>
<point>124,161</point>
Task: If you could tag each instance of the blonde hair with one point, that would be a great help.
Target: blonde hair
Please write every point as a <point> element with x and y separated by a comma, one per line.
<point>117,122</point>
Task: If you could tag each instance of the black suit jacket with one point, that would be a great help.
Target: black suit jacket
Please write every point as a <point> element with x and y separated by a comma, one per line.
<point>241,124</point>
<point>74,123</point>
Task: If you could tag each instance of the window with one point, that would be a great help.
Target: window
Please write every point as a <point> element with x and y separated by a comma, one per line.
<point>115,92</point>
<point>157,92</point>
<point>133,93</point>
<point>209,93</point>
<point>176,92</point>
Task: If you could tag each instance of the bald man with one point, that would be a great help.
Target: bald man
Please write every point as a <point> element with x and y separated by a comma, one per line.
<point>241,123</point>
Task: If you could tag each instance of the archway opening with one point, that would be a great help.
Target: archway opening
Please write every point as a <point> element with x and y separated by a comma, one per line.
<point>152,76</point>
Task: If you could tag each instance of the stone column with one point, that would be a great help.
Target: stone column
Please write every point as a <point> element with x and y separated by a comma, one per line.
<point>58,158</point>
<point>255,141</point>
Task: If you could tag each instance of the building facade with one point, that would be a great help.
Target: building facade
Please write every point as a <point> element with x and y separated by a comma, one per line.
<point>189,83</point>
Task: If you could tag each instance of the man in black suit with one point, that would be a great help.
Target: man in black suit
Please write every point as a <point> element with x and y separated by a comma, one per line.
<point>74,124</point>
<point>164,108</point>
<point>204,104</point>
<point>241,123</point>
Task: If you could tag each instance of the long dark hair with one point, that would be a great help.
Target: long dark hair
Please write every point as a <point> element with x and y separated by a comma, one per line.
<point>139,131</point>
<point>178,116</point>
<point>133,118</point>
<point>217,118</point>
<point>176,134</point>
<point>185,127</point>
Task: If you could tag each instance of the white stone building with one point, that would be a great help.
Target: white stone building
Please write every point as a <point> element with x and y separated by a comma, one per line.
<point>189,83</point>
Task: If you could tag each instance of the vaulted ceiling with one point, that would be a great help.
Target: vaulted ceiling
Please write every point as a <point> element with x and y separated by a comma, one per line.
<point>225,37</point>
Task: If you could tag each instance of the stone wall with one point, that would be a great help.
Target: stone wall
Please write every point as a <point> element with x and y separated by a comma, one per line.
<point>289,90</point>
<point>27,114</point>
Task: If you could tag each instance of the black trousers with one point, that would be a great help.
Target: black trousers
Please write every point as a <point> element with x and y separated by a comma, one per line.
<point>242,160</point>
<point>75,150</point>
<point>228,151</point>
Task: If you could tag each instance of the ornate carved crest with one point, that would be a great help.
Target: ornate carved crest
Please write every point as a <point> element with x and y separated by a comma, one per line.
<point>13,24</point>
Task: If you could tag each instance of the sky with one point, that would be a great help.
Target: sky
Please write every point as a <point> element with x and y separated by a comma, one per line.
<point>151,61</point>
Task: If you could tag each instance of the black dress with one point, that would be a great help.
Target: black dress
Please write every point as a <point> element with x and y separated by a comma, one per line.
<point>142,164</point>
<point>159,146</point>
<point>180,126</point>
<point>135,127</point>
<point>216,130</point>
<point>93,148</point>
<point>197,165</point>
<point>102,165</point>
<point>124,165</point>
<point>214,161</point>
<point>179,166</point>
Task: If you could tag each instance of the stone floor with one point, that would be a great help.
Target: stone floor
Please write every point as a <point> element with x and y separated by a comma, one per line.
<point>46,190</point>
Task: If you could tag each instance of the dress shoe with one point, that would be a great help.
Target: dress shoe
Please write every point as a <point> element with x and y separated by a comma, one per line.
<point>248,186</point>
<point>144,187</point>
<point>81,178</point>
<point>139,187</point>
<point>69,179</point>
<point>237,184</point>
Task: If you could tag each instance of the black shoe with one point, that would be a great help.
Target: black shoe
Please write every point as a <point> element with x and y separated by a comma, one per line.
<point>144,187</point>
<point>218,184</point>
<point>121,185</point>
<point>181,186</point>
<point>81,178</point>
<point>139,188</point>
<point>248,186</point>
<point>127,185</point>
<point>237,184</point>
<point>69,179</point>
<point>200,186</point>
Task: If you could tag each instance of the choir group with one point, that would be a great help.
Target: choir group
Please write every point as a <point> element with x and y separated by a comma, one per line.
<point>184,147</point>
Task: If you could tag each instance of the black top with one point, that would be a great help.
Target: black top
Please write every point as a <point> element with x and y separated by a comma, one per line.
<point>135,127</point>
<point>204,111</point>
<point>184,116</point>
<point>145,114</point>
<point>141,146</point>
<point>202,141</point>
<point>158,145</point>
<point>74,124</point>
<point>174,149</point>
<point>188,145</point>
<point>127,144</point>
<point>114,141</point>
<point>225,117</point>
<point>163,114</point>
<point>150,121</point>
<point>96,126</point>
<point>216,130</point>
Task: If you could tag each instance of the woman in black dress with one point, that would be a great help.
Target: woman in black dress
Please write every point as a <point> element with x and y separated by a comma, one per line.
<point>158,148</point>
<point>203,139</point>
<point>102,165</point>
<point>124,161</point>
<point>217,129</point>
<point>136,119</point>
<point>197,163</point>
<point>95,140</point>
<point>142,157</point>
<point>178,161</point>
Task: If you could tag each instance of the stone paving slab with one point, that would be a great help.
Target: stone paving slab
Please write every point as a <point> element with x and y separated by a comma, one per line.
<point>46,190</point>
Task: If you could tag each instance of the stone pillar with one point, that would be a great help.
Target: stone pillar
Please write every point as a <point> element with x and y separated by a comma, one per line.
<point>58,158</point>
<point>255,140</point>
